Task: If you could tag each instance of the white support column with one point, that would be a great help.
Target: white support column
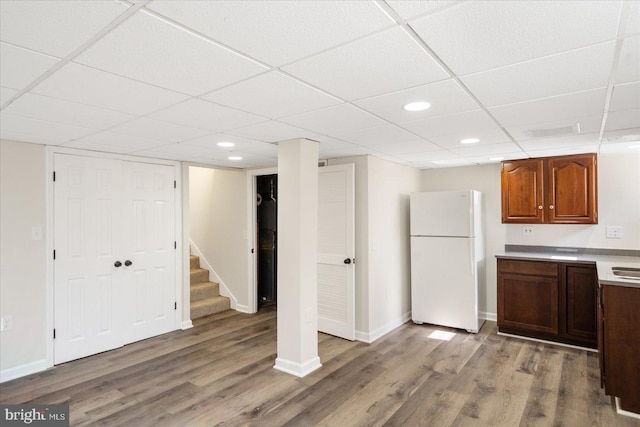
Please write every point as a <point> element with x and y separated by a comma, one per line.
<point>297,257</point>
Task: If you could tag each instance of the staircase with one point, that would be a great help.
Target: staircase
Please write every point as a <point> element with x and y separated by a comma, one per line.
<point>205,295</point>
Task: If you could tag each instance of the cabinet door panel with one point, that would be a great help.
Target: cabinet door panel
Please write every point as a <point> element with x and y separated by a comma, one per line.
<point>522,191</point>
<point>572,190</point>
<point>581,302</point>
<point>527,302</point>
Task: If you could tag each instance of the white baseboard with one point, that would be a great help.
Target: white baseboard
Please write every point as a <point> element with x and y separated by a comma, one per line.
<point>242,308</point>
<point>187,324</point>
<point>370,337</point>
<point>298,369</point>
<point>213,276</point>
<point>489,316</point>
<point>625,413</point>
<point>23,370</point>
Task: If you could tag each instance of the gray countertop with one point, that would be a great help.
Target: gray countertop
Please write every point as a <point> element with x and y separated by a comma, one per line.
<point>604,264</point>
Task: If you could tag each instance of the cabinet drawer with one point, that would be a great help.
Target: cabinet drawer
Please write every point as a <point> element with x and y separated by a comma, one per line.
<point>536,268</point>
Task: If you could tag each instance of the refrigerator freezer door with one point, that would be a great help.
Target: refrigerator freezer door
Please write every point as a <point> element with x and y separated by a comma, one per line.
<point>449,213</point>
<point>444,287</point>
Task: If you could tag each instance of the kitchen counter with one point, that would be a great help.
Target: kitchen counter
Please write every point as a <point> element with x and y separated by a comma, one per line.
<point>603,263</point>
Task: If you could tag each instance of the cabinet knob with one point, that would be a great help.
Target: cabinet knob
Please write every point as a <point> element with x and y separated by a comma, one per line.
<point>550,206</point>
<point>540,207</point>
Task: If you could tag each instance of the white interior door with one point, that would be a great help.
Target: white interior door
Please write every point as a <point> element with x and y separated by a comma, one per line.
<point>87,286</point>
<point>108,211</point>
<point>149,279</point>
<point>336,251</point>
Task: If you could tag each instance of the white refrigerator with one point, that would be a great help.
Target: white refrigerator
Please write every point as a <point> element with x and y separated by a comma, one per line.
<point>447,259</point>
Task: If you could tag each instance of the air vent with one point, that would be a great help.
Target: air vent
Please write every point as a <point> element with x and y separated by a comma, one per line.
<point>550,132</point>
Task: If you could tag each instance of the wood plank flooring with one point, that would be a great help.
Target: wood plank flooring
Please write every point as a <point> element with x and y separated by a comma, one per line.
<point>220,373</point>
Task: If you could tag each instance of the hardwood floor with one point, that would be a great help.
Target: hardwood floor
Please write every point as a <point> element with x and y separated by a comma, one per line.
<point>221,373</point>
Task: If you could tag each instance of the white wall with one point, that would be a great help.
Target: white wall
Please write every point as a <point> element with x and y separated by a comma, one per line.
<point>22,259</point>
<point>218,212</point>
<point>389,243</point>
<point>619,204</point>
<point>383,287</point>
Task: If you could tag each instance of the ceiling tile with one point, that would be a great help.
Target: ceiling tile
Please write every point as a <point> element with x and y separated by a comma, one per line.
<point>487,150</point>
<point>210,141</point>
<point>629,63</point>
<point>415,146</point>
<point>6,94</point>
<point>206,115</point>
<point>446,97</point>
<point>410,9</point>
<point>564,151</point>
<point>381,63</point>
<point>633,20</point>
<point>19,67</point>
<point>479,36</point>
<point>87,145</point>
<point>31,24</point>
<point>625,119</point>
<point>61,111</point>
<point>262,29</point>
<point>585,140</point>
<point>574,71</point>
<point>271,131</point>
<point>449,130</point>
<point>625,97</point>
<point>496,158</point>
<point>428,156</point>
<point>149,50</point>
<point>562,107</point>
<point>162,155</point>
<point>158,130</point>
<point>55,132</point>
<point>378,135</point>
<point>89,86</point>
<point>110,139</point>
<point>336,120</point>
<point>272,95</point>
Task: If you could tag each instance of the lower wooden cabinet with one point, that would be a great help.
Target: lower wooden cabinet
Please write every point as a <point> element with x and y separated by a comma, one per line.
<point>619,344</point>
<point>548,300</point>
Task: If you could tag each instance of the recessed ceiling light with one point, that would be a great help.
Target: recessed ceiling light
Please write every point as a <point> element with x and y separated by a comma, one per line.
<point>234,158</point>
<point>417,106</point>
<point>225,144</point>
<point>469,141</point>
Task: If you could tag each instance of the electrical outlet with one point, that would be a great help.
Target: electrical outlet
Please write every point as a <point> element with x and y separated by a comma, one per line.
<point>614,232</point>
<point>527,230</point>
<point>6,323</point>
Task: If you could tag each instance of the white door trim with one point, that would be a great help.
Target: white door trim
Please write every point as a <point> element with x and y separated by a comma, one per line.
<point>252,285</point>
<point>49,166</point>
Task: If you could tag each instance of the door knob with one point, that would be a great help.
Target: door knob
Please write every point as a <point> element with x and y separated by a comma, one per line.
<point>347,261</point>
<point>117,264</point>
<point>127,263</point>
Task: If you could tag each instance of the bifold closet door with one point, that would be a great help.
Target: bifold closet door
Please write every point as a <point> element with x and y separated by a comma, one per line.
<point>114,271</point>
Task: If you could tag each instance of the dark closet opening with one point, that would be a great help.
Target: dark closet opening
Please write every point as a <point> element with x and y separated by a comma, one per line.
<point>267,215</point>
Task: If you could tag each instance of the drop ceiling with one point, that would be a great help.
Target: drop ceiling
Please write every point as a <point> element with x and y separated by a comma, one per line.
<point>171,79</point>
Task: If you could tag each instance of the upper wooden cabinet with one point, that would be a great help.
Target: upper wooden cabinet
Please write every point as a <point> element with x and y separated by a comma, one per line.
<point>551,190</point>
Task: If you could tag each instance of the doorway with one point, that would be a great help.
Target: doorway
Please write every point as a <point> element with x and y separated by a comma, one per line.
<point>267,238</point>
